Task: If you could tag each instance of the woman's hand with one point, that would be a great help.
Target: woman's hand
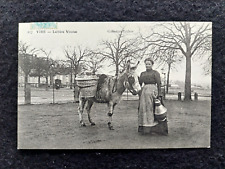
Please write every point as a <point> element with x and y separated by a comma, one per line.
<point>140,91</point>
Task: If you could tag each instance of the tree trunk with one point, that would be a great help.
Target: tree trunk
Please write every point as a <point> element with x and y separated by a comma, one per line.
<point>46,83</point>
<point>25,81</point>
<point>71,77</point>
<point>39,80</point>
<point>117,69</point>
<point>76,90</point>
<point>71,80</point>
<point>168,79</point>
<point>187,90</point>
<point>51,79</point>
<point>75,84</point>
<point>27,90</point>
<point>94,72</point>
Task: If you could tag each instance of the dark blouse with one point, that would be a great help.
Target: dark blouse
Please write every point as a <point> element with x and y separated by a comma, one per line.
<point>150,77</point>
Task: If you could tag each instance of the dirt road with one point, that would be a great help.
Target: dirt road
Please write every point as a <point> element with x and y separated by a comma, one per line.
<point>57,127</point>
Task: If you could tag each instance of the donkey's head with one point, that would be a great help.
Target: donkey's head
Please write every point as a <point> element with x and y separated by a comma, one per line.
<point>131,81</point>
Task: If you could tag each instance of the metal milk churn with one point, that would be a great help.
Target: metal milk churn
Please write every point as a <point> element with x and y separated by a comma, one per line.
<point>160,111</point>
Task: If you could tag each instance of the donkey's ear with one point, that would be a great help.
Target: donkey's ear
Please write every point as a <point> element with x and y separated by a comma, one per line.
<point>135,67</point>
<point>128,66</point>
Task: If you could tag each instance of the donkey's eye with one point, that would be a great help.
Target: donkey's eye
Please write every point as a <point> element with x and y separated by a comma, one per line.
<point>131,79</point>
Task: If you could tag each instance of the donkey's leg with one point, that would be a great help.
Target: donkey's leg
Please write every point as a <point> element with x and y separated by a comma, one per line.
<point>110,113</point>
<point>82,102</point>
<point>88,108</point>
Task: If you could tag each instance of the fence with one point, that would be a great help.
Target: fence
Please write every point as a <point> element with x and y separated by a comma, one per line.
<point>65,95</point>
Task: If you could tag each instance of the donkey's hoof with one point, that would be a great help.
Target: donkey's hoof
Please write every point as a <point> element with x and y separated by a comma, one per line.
<point>83,125</point>
<point>93,124</point>
<point>110,126</point>
<point>110,114</point>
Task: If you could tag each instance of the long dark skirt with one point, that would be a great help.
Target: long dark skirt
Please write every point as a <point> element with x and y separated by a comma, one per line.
<point>146,120</point>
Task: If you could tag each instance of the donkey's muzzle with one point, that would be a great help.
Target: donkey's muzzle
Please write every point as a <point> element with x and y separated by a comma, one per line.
<point>134,92</point>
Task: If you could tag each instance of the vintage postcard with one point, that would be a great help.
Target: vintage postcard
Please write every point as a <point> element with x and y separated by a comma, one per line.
<point>114,85</point>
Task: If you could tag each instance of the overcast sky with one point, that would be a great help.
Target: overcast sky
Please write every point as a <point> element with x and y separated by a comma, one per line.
<point>90,34</point>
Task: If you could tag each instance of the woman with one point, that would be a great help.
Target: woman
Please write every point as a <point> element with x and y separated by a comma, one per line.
<point>150,91</point>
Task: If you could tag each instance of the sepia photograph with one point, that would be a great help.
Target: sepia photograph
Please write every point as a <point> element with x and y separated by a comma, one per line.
<point>114,85</point>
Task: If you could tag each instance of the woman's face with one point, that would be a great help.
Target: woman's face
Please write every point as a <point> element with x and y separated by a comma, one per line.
<point>148,65</point>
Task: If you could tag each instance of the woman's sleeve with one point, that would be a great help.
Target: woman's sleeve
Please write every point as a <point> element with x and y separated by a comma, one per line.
<point>141,79</point>
<point>158,82</point>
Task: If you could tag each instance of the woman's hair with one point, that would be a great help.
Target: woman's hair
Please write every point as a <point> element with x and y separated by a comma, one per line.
<point>149,59</point>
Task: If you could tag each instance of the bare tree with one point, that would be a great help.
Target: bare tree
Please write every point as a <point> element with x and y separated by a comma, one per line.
<point>76,56</point>
<point>169,58</point>
<point>121,49</point>
<point>49,62</point>
<point>62,67</point>
<point>189,38</point>
<point>94,62</point>
<point>26,48</point>
<point>165,57</point>
<point>207,66</point>
<point>26,56</point>
<point>39,68</point>
<point>58,67</point>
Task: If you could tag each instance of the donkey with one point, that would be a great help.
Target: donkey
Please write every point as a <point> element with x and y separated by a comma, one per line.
<point>109,91</point>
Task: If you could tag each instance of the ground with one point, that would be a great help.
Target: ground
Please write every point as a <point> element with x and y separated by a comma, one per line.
<point>57,126</point>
